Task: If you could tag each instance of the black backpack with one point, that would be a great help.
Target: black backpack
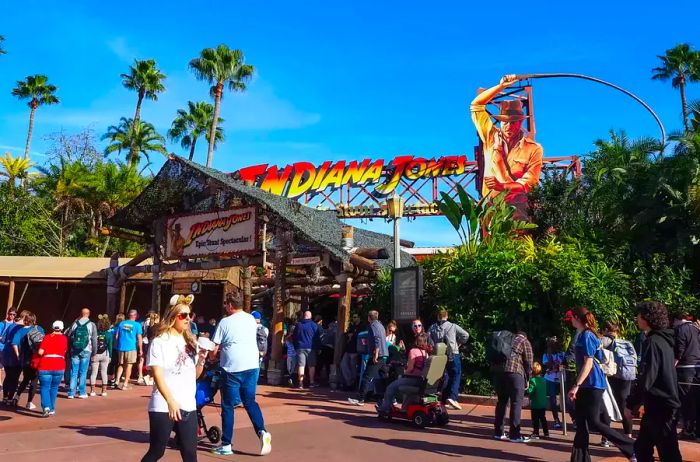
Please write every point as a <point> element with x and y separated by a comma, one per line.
<point>101,342</point>
<point>499,347</point>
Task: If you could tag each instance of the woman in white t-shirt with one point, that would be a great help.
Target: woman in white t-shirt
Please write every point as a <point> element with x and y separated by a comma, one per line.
<point>175,364</point>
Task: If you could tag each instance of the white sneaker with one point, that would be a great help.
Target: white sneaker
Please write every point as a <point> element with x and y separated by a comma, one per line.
<point>265,443</point>
<point>104,393</point>
<point>83,396</point>
<point>46,412</point>
<point>356,402</point>
<point>31,406</point>
<point>92,393</point>
<point>454,404</point>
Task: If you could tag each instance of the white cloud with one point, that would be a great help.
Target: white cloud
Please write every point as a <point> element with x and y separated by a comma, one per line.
<point>120,48</point>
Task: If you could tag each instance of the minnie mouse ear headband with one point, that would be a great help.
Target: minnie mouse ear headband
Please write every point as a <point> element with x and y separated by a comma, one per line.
<point>181,299</point>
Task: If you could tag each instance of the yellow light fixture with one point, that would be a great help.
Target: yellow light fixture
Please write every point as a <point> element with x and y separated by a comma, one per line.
<point>395,206</point>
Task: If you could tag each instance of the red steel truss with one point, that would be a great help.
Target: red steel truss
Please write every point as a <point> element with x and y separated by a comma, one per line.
<point>420,196</point>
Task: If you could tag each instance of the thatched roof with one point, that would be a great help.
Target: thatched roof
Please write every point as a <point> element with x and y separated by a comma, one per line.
<point>182,186</point>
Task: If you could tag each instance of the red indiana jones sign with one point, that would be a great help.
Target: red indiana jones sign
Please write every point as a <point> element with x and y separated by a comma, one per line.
<point>301,178</point>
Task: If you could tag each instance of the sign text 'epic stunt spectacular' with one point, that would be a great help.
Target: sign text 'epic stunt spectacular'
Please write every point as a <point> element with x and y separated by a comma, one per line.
<point>301,178</point>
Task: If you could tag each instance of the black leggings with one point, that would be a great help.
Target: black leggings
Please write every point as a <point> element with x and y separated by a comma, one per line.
<point>30,376</point>
<point>589,402</point>
<point>160,428</point>
<point>621,390</point>
<point>9,385</point>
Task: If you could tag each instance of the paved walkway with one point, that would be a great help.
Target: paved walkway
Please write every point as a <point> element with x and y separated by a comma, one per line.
<point>307,426</point>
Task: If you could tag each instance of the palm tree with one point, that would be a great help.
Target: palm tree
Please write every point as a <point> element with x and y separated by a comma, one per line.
<point>189,125</point>
<point>39,93</point>
<point>135,137</point>
<point>219,66</point>
<point>146,79</point>
<point>15,168</point>
<point>682,65</point>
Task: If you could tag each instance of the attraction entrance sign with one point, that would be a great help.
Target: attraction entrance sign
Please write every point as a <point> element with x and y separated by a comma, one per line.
<point>228,232</point>
<point>359,189</point>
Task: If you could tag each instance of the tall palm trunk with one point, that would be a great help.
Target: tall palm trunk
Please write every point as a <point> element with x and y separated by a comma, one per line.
<point>212,132</point>
<point>194,142</point>
<point>683,103</point>
<point>33,106</point>
<point>137,115</point>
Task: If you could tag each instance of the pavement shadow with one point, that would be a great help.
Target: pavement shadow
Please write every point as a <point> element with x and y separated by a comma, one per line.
<point>117,433</point>
<point>451,450</point>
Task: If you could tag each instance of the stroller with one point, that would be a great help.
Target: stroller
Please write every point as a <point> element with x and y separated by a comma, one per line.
<point>207,387</point>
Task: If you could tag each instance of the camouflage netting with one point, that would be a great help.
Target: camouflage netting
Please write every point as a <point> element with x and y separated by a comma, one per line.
<point>182,186</point>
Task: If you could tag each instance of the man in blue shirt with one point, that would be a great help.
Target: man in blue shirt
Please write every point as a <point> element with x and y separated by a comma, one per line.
<point>4,325</point>
<point>379,353</point>
<point>129,340</point>
<point>11,359</point>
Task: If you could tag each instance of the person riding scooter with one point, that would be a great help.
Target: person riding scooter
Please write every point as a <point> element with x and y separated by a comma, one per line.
<point>417,358</point>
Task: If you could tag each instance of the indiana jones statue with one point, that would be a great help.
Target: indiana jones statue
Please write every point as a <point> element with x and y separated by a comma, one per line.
<point>512,160</point>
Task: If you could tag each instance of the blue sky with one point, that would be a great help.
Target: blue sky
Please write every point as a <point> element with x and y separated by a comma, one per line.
<point>347,80</point>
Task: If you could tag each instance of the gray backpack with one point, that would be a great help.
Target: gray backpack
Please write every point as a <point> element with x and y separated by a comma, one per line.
<point>625,358</point>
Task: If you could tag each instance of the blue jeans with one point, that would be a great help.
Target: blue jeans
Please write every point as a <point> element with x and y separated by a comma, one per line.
<point>79,367</point>
<point>49,382</point>
<point>241,384</point>
<point>453,374</point>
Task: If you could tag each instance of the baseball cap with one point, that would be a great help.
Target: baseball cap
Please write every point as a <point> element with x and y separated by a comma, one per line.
<point>256,314</point>
<point>57,325</point>
<point>568,316</point>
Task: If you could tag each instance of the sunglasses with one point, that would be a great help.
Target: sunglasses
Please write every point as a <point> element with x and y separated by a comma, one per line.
<point>182,316</point>
<point>416,326</point>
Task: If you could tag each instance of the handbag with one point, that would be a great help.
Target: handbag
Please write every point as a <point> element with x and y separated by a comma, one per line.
<point>610,403</point>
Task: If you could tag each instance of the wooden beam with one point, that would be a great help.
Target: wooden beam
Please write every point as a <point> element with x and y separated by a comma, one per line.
<point>210,265</point>
<point>364,263</point>
<point>372,252</point>
<point>10,295</point>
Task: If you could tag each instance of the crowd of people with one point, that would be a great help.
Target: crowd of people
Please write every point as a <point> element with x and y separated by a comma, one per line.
<point>170,353</point>
<point>605,376</point>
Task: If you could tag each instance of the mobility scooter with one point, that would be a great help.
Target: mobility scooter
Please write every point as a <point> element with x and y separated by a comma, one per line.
<point>421,405</point>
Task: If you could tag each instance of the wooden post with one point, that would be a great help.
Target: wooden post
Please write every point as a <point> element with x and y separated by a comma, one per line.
<point>122,299</point>
<point>158,245</point>
<point>245,282</point>
<point>344,303</point>
<point>10,295</point>
<point>276,368</point>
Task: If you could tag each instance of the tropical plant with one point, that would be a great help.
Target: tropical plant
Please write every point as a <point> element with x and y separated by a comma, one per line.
<point>135,137</point>
<point>39,93</point>
<point>681,64</point>
<point>484,219</point>
<point>146,79</point>
<point>2,50</point>
<point>220,66</point>
<point>16,168</point>
<point>27,226</point>
<point>194,122</point>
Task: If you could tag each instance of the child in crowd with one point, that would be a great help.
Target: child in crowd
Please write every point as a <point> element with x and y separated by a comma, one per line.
<point>552,361</point>
<point>538,402</point>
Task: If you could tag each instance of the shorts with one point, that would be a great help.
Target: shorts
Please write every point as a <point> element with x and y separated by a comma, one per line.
<point>128,357</point>
<point>306,357</point>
